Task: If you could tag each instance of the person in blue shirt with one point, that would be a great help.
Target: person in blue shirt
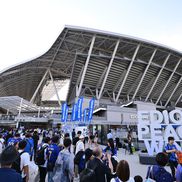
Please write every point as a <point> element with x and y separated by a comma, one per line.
<point>30,145</point>
<point>52,154</point>
<point>8,156</point>
<point>171,150</point>
<point>158,172</point>
<point>14,140</point>
<point>17,135</point>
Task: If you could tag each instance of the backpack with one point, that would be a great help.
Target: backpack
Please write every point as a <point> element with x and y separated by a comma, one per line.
<point>16,163</point>
<point>39,159</point>
<point>80,161</point>
<point>163,176</point>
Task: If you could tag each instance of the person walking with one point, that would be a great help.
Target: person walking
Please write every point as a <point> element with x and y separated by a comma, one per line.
<point>103,173</point>
<point>64,166</point>
<point>73,134</point>
<point>80,144</point>
<point>35,138</point>
<point>24,161</point>
<point>109,135</point>
<point>75,140</point>
<point>129,137</point>
<point>7,174</point>
<point>52,154</point>
<point>30,145</point>
<point>42,158</point>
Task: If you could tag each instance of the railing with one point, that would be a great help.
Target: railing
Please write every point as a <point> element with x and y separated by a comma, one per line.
<point>30,119</point>
<point>7,117</point>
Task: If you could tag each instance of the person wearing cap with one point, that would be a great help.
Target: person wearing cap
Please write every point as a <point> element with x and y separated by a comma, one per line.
<point>8,156</point>
<point>80,144</point>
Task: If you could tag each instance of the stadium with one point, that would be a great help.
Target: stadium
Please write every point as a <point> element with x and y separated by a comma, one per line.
<point>124,74</point>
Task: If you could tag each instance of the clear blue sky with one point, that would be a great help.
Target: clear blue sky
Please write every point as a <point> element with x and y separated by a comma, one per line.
<point>29,27</point>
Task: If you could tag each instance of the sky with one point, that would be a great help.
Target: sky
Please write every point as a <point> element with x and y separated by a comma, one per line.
<point>28,28</point>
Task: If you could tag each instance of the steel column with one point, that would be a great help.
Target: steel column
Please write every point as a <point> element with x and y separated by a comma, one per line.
<point>101,78</point>
<point>86,65</point>
<point>119,81</point>
<point>109,67</point>
<point>168,81</point>
<point>132,87</point>
<point>19,112</point>
<point>146,69</point>
<point>55,89</point>
<point>38,87</point>
<point>153,85</point>
<point>175,88</point>
<point>128,70</point>
<point>178,99</point>
<point>57,49</point>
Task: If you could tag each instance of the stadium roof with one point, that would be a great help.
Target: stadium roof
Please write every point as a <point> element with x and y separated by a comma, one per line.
<point>101,64</point>
<point>13,104</point>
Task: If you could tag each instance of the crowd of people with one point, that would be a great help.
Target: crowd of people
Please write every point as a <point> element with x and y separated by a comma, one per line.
<point>67,157</point>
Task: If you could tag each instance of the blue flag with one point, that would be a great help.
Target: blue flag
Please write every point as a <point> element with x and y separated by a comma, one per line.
<point>85,114</point>
<point>74,113</point>
<point>64,107</point>
<point>79,112</point>
<point>66,115</point>
<point>91,109</point>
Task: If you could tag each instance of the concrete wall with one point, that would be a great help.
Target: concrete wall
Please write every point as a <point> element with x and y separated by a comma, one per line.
<point>145,106</point>
<point>118,115</point>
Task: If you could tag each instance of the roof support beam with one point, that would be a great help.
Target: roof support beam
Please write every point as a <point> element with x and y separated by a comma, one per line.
<point>132,87</point>
<point>79,77</point>
<point>57,50</point>
<point>129,60</point>
<point>119,81</point>
<point>101,77</point>
<point>127,73</point>
<point>38,87</point>
<point>178,99</point>
<point>156,79</point>
<point>175,88</point>
<point>86,65</point>
<point>168,81</point>
<point>146,69</point>
<point>147,87</point>
<point>109,68</point>
<point>55,89</point>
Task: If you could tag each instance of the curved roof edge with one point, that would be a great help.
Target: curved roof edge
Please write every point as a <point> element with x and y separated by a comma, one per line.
<point>94,31</point>
<point>123,35</point>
